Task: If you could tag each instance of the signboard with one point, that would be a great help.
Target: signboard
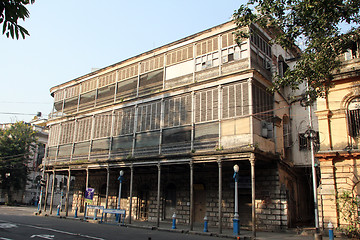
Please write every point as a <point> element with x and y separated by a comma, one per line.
<point>89,195</point>
<point>115,211</point>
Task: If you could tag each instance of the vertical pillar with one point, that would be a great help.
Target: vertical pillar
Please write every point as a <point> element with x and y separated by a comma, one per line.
<point>52,191</point>
<point>191,196</point>
<point>46,190</point>
<point>107,186</point>
<point>158,195</point>
<point>87,178</point>
<point>67,194</point>
<point>220,195</point>
<point>253,207</point>
<point>131,191</point>
<point>250,100</point>
<point>86,187</point>
<point>192,120</point>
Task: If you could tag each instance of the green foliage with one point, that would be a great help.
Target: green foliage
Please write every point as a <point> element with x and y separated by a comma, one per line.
<point>10,12</point>
<point>349,206</point>
<point>16,144</point>
<point>316,23</point>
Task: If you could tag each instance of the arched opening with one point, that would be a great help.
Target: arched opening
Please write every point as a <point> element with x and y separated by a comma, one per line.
<point>353,115</point>
<point>287,138</point>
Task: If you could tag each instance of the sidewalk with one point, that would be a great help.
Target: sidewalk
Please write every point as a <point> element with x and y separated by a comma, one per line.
<point>199,229</point>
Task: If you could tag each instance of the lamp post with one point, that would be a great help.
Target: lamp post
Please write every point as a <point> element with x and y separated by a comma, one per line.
<point>236,214</point>
<point>119,198</point>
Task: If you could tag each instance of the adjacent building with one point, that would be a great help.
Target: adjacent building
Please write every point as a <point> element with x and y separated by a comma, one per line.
<point>176,120</point>
<point>30,193</point>
<point>339,128</point>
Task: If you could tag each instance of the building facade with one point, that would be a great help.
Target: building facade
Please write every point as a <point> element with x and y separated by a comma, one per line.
<point>339,123</point>
<point>176,120</point>
<point>30,192</point>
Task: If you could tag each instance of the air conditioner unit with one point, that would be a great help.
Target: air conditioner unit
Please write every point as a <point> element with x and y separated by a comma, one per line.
<point>264,129</point>
<point>267,129</point>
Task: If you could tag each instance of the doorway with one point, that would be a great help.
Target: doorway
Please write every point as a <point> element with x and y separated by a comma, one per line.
<point>199,202</point>
<point>143,203</point>
<point>170,201</point>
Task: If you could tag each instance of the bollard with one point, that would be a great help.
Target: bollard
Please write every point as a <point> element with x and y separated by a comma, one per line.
<point>118,217</point>
<point>331,231</point>
<point>174,221</point>
<point>76,212</point>
<point>58,211</point>
<point>205,224</point>
<point>85,212</point>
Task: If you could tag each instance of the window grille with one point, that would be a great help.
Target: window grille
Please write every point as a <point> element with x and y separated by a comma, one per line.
<point>67,131</point>
<point>235,100</point>
<point>149,116</point>
<point>107,79</point>
<point>262,103</point>
<point>72,91</point>
<point>59,95</point>
<point>353,116</point>
<point>206,105</point>
<point>177,111</point>
<point>227,40</point>
<point>152,64</point>
<point>88,85</point>
<point>102,125</point>
<point>180,55</point>
<point>286,132</point>
<point>124,121</point>
<point>207,46</point>
<point>83,129</point>
<point>261,44</point>
<point>128,72</point>
<point>54,135</point>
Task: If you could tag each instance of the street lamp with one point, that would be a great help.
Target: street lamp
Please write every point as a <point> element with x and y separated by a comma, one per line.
<point>118,216</point>
<point>236,214</point>
<point>120,183</point>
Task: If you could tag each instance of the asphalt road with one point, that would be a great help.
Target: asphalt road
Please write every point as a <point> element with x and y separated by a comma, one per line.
<point>19,223</point>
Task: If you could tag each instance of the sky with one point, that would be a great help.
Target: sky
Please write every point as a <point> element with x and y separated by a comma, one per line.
<point>68,38</point>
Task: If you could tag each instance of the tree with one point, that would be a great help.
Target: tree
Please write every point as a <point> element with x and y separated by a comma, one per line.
<point>10,12</point>
<point>314,22</point>
<point>16,146</point>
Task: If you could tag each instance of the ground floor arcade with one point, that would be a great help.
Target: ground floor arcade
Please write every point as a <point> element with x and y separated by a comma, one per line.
<point>271,195</point>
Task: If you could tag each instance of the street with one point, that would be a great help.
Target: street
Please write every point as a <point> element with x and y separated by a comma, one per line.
<point>18,223</point>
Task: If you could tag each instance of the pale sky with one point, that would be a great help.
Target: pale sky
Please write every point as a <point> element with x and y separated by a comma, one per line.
<point>70,37</point>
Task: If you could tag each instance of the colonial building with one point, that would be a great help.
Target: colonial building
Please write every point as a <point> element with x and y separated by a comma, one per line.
<point>176,120</point>
<point>30,192</point>
<point>339,127</point>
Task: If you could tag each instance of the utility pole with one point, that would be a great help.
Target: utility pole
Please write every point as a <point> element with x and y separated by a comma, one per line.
<point>310,133</point>
<point>314,178</point>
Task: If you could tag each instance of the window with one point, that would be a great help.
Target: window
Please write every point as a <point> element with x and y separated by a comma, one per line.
<point>207,46</point>
<point>282,68</point>
<point>286,132</point>
<point>263,102</point>
<point>353,116</point>
<point>207,61</point>
<point>230,54</point>
<point>179,55</point>
<point>353,51</point>
<point>261,44</point>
